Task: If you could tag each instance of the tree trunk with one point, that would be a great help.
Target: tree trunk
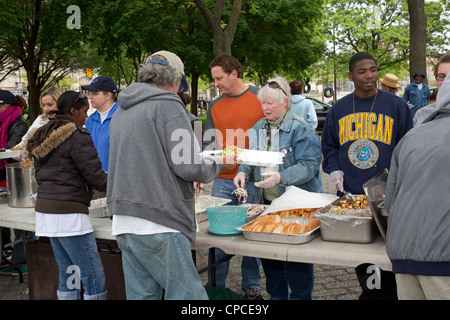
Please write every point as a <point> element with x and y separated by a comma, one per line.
<point>223,38</point>
<point>194,93</point>
<point>418,37</point>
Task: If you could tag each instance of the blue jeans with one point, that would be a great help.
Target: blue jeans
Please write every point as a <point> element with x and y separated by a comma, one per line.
<point>79,251</point>
<point>250,267</point>
<point>155,262</point>
<point>282,275</point>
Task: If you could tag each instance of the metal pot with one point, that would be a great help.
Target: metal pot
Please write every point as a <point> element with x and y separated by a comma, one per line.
<point>21,186</point>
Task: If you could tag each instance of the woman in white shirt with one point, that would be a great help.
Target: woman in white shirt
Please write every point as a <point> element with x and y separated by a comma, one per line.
<point>48,103</point>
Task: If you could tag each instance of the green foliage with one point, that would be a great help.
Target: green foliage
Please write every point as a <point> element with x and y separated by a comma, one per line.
<point>380,27</point>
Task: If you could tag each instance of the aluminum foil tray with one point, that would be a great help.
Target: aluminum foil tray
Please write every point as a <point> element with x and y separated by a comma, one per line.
<point>204,202</point>
<point>281,238</point>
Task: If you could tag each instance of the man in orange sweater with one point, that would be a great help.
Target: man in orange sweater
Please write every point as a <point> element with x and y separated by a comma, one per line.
<point>229,119</point>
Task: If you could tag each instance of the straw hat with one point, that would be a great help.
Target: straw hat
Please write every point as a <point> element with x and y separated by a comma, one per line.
<point>390,80</point>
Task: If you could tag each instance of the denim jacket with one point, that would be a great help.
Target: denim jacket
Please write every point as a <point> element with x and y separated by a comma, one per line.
<point>301,146</point>
<point>418,98</point>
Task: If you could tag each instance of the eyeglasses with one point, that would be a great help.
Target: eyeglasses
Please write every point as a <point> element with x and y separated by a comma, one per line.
<point>441,76</point>
<point>274,85</point>
<point>80,97</point>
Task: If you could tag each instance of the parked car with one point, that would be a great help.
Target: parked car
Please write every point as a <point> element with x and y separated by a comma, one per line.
<point>322,109</point>
<point>433,94</point>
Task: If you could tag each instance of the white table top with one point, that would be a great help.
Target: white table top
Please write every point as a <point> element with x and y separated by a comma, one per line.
<point>315,251</point>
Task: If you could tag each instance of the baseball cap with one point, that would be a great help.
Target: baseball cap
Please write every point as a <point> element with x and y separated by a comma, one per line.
<point>102,83</point>
<point>418,73</point>
<point>6,97</point>
<point>174,61</point>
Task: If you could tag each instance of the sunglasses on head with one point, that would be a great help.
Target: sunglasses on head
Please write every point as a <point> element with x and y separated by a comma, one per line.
<point>274,85</point>
<point>79,97</point>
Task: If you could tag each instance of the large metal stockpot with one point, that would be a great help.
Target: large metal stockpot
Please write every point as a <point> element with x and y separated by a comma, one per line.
<point>21,185</point>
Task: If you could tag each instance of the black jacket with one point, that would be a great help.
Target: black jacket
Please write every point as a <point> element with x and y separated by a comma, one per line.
<point>67,167</point>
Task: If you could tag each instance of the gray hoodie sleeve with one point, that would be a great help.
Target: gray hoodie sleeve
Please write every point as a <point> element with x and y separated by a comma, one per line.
<point>184,150</point>
<point>209,141</point>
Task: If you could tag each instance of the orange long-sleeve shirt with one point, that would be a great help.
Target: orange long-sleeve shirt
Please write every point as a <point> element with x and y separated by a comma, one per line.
<point>232,117</point>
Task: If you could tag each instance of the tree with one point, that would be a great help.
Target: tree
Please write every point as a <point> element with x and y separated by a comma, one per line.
<point>273,38</point>
<point>380,27</point>
<point>223,34</point>
<point>40,36</point>
<point>417,36</point>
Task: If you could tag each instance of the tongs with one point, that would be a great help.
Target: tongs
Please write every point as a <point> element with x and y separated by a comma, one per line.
<point>349,196</point>
<point>197,191</point>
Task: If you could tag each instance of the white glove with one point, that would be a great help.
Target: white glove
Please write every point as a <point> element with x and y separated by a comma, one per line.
<point>273,179</point>
<point>198,185</point>
<point>239,180</point>
<point>337,180</point>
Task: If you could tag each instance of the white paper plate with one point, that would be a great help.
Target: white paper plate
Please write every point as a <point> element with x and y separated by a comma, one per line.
<point>10,154</point>
<point>261,158</point>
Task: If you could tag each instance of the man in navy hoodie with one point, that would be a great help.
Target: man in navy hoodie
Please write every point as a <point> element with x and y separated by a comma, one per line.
<point>362,129</point>
<point>359,136</point>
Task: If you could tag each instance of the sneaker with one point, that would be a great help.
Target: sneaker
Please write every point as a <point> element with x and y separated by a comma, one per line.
<point>7,271</point>
<point>13,271</point>
<point>253,294</point>
<point>16,273</point>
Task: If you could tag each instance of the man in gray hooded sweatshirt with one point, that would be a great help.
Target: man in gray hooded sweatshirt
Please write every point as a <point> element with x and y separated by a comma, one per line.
<point>418,202</point>
<point>154,159</point>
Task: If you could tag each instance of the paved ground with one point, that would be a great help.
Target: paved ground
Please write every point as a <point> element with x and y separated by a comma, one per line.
<point>331,283</point>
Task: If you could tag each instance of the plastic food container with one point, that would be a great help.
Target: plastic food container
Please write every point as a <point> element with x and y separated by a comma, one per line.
<point>98,208</point>
<point>204,202</point>
<point>224,220</point>
<point>375,190</point>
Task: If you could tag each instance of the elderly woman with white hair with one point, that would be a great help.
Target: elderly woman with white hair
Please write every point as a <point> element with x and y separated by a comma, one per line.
<point>283,131</point>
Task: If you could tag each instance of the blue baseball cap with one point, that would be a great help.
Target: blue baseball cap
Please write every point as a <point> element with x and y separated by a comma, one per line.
<point>102,83</point>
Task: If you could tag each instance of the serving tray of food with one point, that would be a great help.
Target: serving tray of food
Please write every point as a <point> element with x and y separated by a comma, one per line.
<point>286,230</point>
<point>254,210</point>
<point>347,219</point>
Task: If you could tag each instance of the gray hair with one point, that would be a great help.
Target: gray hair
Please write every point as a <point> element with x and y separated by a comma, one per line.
<point>278,95</point>
<point>158,74</point>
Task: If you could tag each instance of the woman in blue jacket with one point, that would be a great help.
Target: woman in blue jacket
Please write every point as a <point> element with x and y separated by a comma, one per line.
<point>103,96</point>
<point>283,131</point>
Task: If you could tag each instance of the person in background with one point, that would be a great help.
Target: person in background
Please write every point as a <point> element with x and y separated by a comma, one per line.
<point>283,130</point>
<point>12,128</point>
<point>390,83</point>
<point>305,109</point>
<point>151,195</point>
<point>302,106</point>
<point>48,103</point>
<point>441,70</point>
<point>103,96</point>
<point>67,169</point>
<point>228,120</point>
<point>418,234</point>
<point>417,94</point>
<point>354,153</point>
